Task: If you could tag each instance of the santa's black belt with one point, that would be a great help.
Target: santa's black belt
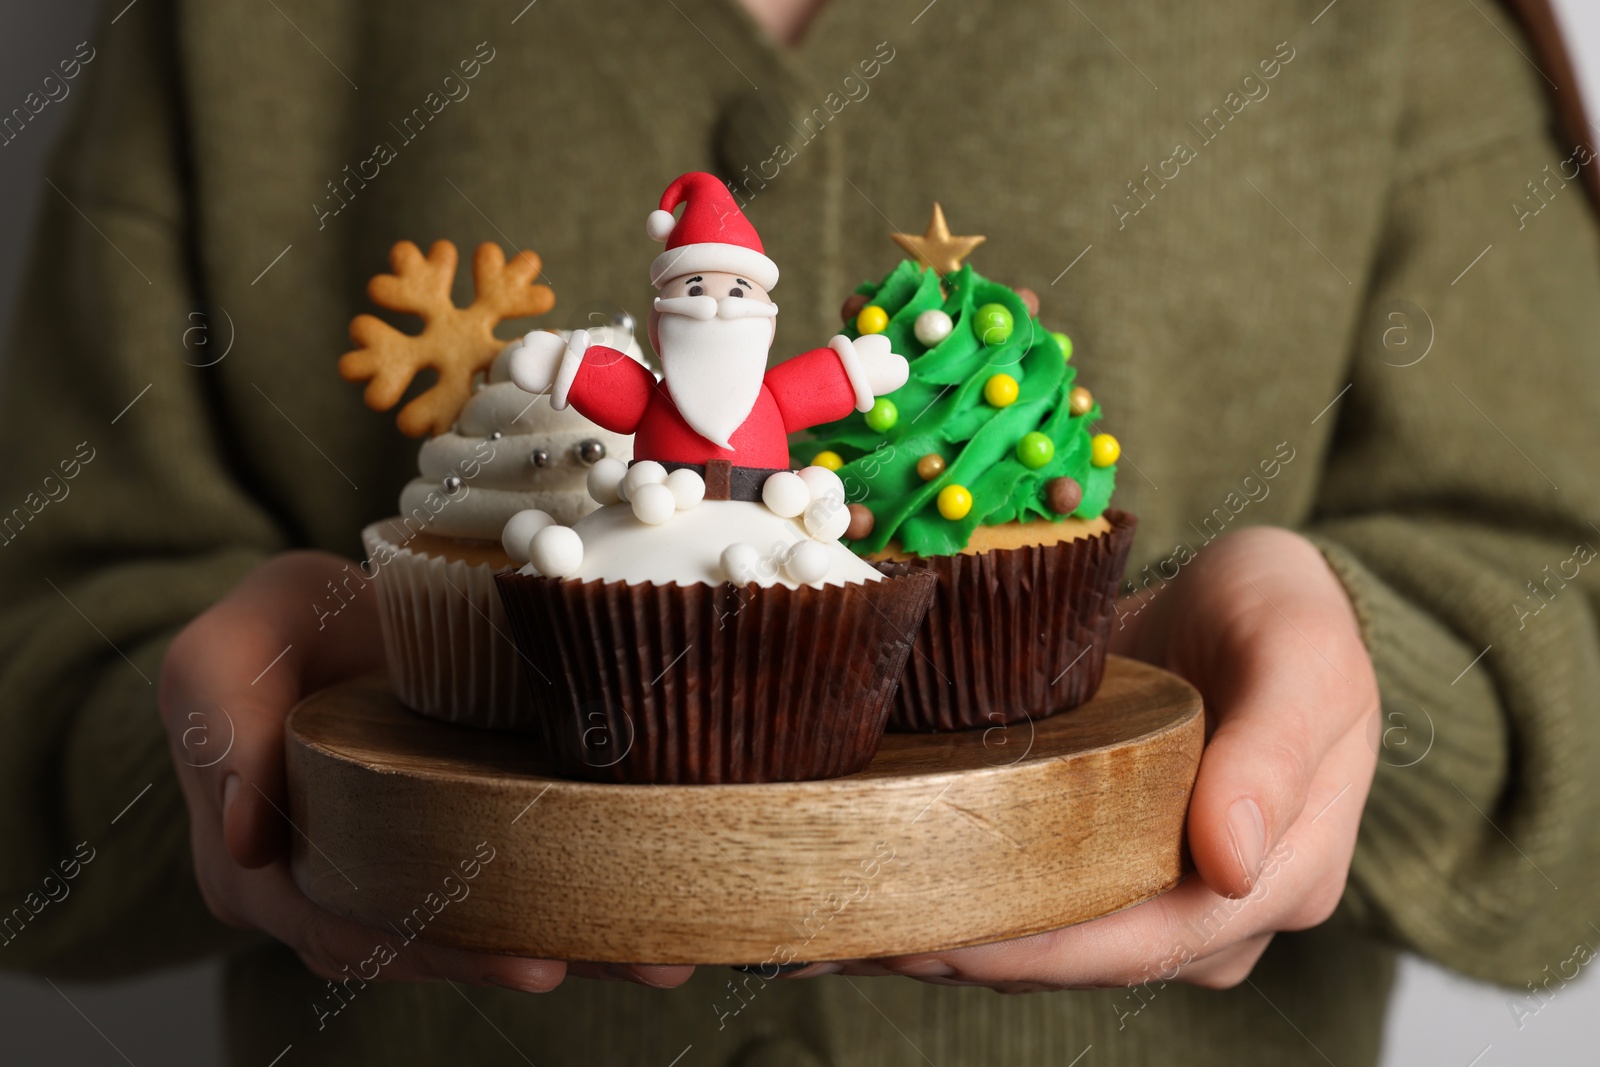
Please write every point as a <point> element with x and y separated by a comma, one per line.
<point>724,481</point>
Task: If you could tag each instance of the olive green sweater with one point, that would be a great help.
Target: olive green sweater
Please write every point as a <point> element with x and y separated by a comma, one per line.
<point>1276,237</point>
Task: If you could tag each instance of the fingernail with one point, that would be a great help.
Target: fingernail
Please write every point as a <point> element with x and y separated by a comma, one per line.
<point>230,787</point>
<point>775,970</point>
<point>503,983</point>
<point>624,973</point>
<point>1249,832</point>
<point>924,969</point>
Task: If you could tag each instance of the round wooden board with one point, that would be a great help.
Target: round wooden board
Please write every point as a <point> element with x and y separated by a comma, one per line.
<point>460,837</point>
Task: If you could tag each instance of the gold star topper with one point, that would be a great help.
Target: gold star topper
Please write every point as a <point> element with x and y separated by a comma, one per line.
<point>937,248</point>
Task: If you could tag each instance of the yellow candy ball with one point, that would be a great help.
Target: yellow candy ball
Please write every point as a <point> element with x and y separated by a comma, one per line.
<point>954,502</point>
<point>872,319</point>
<point>1000,390</point>
<point>1104,450</point>
<point>829,459</point>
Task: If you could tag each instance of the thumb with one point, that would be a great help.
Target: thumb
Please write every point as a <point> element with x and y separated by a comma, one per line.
<point>231,678</point>
<point>1279,706</point>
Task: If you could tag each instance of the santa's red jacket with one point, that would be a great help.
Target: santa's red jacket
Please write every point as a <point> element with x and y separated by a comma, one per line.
<point>623,396</point>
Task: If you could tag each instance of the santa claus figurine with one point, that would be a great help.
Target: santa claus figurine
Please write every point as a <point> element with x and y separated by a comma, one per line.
<point>717,409</point>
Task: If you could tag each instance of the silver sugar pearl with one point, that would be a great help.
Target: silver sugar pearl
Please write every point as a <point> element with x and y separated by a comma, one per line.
<point>539,457</point>
<point>451,484</point>
<point>495,435</point>
<point>591,451</point>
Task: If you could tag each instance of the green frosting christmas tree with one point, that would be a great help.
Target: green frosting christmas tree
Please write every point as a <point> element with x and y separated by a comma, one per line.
<point>989,428</point>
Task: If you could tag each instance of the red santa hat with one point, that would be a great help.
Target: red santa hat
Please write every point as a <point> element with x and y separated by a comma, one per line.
<point>712,235</point>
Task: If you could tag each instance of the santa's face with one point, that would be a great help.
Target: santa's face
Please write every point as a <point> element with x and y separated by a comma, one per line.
<point>713,332</point>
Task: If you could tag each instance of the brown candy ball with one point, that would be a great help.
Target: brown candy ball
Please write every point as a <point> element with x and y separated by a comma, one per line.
<point>1080,400</point>
<point>1030,300</point>
<point>852,307</point>
<point>1063,495</point>
<point>930,466</point>
<point>861,521</point>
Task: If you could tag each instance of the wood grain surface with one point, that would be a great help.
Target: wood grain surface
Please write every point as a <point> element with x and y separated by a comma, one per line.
<point>460,837</point>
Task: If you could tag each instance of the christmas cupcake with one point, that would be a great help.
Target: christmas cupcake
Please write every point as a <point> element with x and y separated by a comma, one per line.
<point>985,469</point>
<point>494,451</point>
<point>705,624</point>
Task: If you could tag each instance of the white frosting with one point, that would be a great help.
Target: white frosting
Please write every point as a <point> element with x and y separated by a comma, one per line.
<point>617,547</point>
<point>498,478</point>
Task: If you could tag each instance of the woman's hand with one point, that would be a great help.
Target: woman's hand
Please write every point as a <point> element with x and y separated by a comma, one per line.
<point>227,685</point>
<point>1260,625</point>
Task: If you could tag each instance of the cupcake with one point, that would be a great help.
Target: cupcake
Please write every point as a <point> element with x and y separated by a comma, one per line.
<point>705,624</point>
<point>725,644</point>
<point>984,469</point>
<point>495,450</point>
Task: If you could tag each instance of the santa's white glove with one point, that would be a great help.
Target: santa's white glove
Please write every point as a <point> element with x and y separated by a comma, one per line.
<point>886,370</point>
<point>534,363</point>
<point>871,367</point>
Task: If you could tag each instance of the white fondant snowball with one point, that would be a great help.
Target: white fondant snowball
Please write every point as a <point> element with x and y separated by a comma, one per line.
<point>786,494</point>
<point>932,326</point>
<point>556,551</point>
<point>741,563</point>
<point>519,531</point>
<point>822,482</point>
<point>687,487</point>
<point>604,478</point>
<point>617,547</point>
<point>653,503</point>
<point>806,562</point>
<point>645,472</point>
<point>827,518</point>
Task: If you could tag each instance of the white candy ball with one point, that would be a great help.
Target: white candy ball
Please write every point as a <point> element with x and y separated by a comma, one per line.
<point>828,518</point>
<point>932,327</point>
<point>806,562</point>
<point>687,487</point>
<point>786,493</point>
<point>556,551</point>
<point>741,563</point>
<point>653,503</point>
<point>519,530</point>
<point>605,478</point>
<point>645,472</point>
<point>822,482</point>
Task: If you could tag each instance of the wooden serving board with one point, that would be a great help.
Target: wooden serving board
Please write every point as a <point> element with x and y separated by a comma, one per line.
<point>460,837</point>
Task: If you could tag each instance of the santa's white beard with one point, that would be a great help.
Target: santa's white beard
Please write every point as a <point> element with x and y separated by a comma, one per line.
<point>713,369</point>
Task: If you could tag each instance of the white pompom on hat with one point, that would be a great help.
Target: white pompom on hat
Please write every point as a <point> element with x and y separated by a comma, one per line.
<point>712,235</point>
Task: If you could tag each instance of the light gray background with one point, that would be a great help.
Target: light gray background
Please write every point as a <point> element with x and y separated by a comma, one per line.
<point>173,1018</point>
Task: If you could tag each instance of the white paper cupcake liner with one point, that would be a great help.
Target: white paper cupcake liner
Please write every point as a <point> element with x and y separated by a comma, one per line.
<point>446,637</point>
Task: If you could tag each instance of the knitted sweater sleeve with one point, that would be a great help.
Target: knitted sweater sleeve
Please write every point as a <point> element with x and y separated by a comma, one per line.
<point>122,521</point>
<point>1459,507</point>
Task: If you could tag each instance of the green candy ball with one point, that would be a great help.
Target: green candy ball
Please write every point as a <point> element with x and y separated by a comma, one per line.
<point>1065,342</point>
<point>883,415</point>
<point>1035,450</point>
<point>993,324</point>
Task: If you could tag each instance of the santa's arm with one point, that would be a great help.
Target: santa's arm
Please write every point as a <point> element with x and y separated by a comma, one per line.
<point>607,386</point>
<point>828,383</point>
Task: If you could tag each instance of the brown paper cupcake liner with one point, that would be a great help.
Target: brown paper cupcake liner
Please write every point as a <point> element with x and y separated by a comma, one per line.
<point>1014,634</point>
<point>445,636</point>
<point>703,684</point>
